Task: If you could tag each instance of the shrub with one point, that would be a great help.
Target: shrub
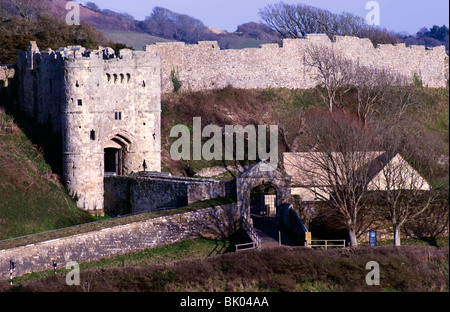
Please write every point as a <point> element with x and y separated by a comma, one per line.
<point>175,78</point>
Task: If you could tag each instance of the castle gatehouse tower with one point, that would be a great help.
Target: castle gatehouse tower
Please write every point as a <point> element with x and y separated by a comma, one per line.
<point>107,107</point>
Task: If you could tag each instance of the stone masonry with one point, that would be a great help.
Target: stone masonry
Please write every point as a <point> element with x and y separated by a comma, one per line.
<point>210,222</point>
<point>7,73</point>
<point>106,105</point>
<point>206,66</point>
<point>141,192</point>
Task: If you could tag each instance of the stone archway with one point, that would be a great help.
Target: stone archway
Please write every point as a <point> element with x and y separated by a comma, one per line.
<point>254,177</point>
<point>263,200</point>
<point>115,155</point>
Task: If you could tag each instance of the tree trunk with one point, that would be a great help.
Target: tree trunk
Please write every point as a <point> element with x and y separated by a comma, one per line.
<point>396,235</point>
<point>353,240</point>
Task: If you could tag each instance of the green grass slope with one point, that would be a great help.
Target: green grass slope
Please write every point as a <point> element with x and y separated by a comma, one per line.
<point>32,198</point>
<point>132,39</point>
<point>284,107</point>
<point>205,268</point>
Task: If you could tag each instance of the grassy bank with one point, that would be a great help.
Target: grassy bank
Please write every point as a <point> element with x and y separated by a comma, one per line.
<point>299,269</point>
<point>32,198</point>
<point>107,223</point>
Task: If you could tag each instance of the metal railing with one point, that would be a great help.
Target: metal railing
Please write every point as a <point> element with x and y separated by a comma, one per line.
<point>334,243</point>
<point>251,232</point>
<point>251,244</point>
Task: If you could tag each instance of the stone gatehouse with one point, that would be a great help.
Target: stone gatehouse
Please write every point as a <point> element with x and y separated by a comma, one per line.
<point>106,106</point>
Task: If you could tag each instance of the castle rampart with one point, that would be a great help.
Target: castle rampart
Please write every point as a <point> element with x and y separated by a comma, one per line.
<point>206,66</point>
<point>107,105</point>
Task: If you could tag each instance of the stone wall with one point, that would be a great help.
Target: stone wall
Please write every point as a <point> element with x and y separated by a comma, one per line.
<point>143,192</point>
<point>205,66</point>
<point>7,73</point>
<point>211,222</point>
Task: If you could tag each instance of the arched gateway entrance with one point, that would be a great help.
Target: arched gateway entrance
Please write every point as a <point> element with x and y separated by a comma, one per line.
<point>115,154</point>
<point>263,200</point>
<point>277,181</point>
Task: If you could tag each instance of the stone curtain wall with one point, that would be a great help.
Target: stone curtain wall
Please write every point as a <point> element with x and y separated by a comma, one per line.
<point>210,222</point>
<point>205,66</point>
<point>129,194</point>
<point>6,73</point>
<point>6,81</point>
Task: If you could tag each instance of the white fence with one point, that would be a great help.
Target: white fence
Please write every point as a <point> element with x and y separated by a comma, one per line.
<point>325,243</point>
<point>250,230</point>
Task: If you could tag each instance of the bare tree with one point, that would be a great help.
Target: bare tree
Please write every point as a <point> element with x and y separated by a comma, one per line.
<point>334,169</point>
<point>432,223</point>
<point>405,193</point>
<point>298,20</point>
<point>376,88</point>
<point>290,129</point>
<point>26,9</point>
<point>333,71</point>
<point>400,99</point>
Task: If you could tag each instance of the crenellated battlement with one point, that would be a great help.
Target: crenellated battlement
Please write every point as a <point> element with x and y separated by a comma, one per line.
<point>295,43</point>
<point>205,66</point>
<point>73,55</point>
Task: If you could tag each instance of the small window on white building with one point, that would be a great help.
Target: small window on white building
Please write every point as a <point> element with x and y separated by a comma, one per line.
<point>118,115</point>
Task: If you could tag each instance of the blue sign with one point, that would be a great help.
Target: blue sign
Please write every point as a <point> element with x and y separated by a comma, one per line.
<point>372,238</point>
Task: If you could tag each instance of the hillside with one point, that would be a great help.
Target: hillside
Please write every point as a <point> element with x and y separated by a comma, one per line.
<point>32,198</point>
<point>135,40</point>
<point>285,108</point>
<point>44,23</point>
<point>164,25</point>
<point>96,18</point>
<point>281,269</point>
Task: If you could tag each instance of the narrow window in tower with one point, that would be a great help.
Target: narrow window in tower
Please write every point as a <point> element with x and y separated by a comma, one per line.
<point>108,78</point>
<point>122,78</point>
<point>118,115</point>
<point>128,78</point>
<point>80,102</point>
<point>92,135</point>
<point>115,78</point>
